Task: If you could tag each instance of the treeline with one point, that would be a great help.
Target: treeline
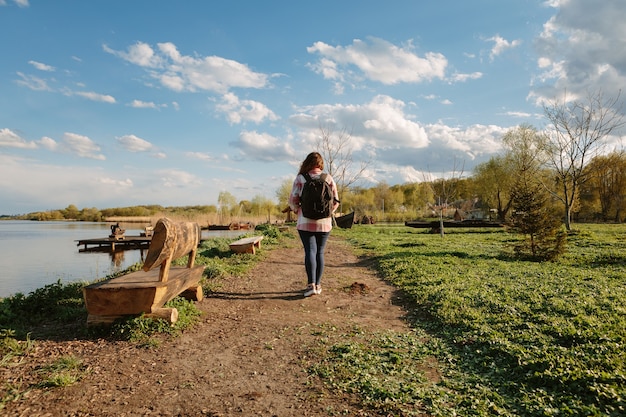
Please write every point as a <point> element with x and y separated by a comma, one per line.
<point>487,192</point>
<point>93,214</point>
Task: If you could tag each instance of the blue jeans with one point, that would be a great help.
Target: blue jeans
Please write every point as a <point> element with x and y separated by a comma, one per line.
<point>314,244</point>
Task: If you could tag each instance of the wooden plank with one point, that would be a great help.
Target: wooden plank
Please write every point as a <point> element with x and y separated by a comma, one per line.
<point>246,245</point>
<point>168,314</point>
<point>139,292</point>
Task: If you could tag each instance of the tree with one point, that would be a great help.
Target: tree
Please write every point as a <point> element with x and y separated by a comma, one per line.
<point>607,184</point>
<point>533,218</point>
<point>283,192</point>
<point>336,149</point>
<point>416,196</point>
<point>264,206</point>
<point>226,202</point>
<point>71,212</point>
<point>493,181</point>
<point>444,191</point>
<point>533,215</point>
<point>577,133</point>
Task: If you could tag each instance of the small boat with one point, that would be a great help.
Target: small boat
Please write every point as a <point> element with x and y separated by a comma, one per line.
<point>219,227</point>
<point>346,221</point>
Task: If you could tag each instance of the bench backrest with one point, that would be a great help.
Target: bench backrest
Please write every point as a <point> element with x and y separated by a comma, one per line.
<point>171,240</point>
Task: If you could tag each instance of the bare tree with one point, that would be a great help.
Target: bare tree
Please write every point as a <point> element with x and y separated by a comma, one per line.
<point>336,149</point>
<point>577,134</point>
<point>444,191</point>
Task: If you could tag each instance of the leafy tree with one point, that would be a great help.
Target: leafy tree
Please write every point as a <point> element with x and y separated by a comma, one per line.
<point>283,193</point>
<point>90,215</point>
<point>71,212</point>
<point>416,196</point>
<point>493,181</point>
<point>263,205</point>
<point>607,184</point>
<point>226,202</point>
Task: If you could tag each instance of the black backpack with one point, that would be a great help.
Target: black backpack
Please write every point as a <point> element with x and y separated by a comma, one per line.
<point>316,201</point>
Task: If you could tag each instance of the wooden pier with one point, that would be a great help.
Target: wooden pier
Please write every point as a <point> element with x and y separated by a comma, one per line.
<point>435,225</point>
<point>111,243</point>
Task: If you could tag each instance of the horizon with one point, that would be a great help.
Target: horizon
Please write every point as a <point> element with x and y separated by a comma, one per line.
<point>119,104</point>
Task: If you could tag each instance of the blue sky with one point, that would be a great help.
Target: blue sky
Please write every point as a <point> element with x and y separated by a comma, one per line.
<point>118,103</point>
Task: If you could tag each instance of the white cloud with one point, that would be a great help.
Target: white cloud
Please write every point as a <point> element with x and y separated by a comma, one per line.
<point>473,140</point>
<point>458,77</point>
<point>238,111</point>
<point>190,73</point>
<point>174,178</point>
<point>263,147</point>
<point>521,115</point>
<point>381,122</point>
<point>450,148</point>
<point>133,143</point>
<point>377,60</point>
<point>93,96</point>
<point>19,3</point>
<point>138,104</point>
<point>582,48</point>
<point>42,67</point>
<point>81,146</point>
<point>380,129</point>
<point>48,143</point>
<point>125,183</point>
<point>202,156</point>
<point>501,45</point>
<point>140,54</point>
<point>10,139</point>
<point>32,82</point>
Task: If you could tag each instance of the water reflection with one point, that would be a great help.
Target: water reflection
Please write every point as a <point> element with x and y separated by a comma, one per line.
<point>35,254</point>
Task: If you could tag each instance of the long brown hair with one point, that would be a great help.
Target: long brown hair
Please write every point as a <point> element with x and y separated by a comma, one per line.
<point>312,160</point>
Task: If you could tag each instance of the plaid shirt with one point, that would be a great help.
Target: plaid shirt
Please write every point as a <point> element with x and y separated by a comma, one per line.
<point>306,224</point>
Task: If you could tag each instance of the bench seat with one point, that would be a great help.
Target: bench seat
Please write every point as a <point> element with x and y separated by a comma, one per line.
<point>246,245</point>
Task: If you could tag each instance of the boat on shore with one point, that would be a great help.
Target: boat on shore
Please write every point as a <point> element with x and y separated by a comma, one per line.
<point>232,226</point>
<point>346,221</point>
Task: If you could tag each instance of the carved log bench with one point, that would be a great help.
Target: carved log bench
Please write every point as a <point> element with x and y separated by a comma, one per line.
<point>146,291</point>
<point>246,245</point>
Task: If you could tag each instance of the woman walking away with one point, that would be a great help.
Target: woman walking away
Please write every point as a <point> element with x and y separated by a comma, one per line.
<point>313,230</point>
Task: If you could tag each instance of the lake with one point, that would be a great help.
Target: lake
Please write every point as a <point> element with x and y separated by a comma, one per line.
<point>34,254</point>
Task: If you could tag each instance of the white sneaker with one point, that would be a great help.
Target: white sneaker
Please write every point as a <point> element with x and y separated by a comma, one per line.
<point>318,289</point>
<point>310,290</point>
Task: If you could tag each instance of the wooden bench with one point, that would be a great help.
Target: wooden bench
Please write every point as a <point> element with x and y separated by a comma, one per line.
<point>146,291</point>
<point>246,245</point>
<point>148,231</point>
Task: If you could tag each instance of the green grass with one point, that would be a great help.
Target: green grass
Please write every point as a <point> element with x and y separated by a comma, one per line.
<point>63,372</point>
<point>512,338</point>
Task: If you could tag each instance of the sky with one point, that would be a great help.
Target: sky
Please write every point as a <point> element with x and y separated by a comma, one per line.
<point>120,103</point>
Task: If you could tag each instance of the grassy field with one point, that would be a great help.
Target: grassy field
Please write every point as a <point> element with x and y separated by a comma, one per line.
<point>491,335</point>
<point>509,337</point>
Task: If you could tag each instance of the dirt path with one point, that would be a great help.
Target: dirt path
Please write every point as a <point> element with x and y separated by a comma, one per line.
<point>248,356</point>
